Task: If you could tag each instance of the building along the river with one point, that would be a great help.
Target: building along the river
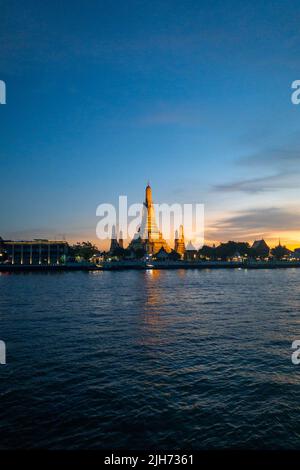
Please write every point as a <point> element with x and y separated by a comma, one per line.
<point>34,252</point>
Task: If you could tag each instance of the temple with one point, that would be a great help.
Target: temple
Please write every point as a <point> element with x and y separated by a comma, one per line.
<point>113,242</point>
<point>179,242</point>
<point>149,237</point>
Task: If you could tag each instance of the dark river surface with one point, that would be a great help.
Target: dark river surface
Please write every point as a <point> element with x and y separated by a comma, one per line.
<point>150,359</point>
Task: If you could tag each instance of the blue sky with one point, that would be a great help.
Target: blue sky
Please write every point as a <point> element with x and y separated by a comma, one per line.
<point>103,96</point>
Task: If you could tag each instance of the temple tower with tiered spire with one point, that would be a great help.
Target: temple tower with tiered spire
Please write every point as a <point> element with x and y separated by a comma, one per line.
<point>113,242</point>
<point>149,235</point>
<point>179,242</point>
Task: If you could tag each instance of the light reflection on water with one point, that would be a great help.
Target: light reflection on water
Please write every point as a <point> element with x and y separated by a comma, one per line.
<point>166,359</point>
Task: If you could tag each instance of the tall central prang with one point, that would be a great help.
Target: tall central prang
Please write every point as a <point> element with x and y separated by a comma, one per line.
<point>149,236</point>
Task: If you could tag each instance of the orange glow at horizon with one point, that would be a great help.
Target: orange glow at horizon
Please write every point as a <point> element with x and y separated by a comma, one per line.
<point>290,239</point>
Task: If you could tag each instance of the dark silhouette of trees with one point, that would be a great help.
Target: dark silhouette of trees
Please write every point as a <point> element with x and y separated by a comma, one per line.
<point>3,252</point>
<point>83,250</point>
<point>226,251</point>
<point>207,252</point>
<point>119,252</point>
<point>140,253</point>
<point>231,249</point>
<point>174,256</point>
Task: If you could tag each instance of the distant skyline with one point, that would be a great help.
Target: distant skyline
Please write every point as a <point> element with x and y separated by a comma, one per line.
<point>193,96</point>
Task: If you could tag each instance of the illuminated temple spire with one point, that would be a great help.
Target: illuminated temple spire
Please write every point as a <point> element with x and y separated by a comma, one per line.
<point>149,234</point>
<point>150,230</point>
<point>179,242</point>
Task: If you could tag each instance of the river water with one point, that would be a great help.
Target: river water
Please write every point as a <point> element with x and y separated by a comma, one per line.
<point>150,359</point>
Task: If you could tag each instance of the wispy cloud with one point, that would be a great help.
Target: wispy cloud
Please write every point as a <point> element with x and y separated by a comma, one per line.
<point>279,181</point>
<point>283,157</point>
<point>253,223</point>
<point>281,163</point>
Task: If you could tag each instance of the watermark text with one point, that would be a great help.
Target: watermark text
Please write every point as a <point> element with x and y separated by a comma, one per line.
<point>2,92</point>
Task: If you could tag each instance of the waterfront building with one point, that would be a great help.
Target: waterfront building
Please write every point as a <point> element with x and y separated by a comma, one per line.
<point>297,253</point>
<point>261,249</point>
<point>162,255</point>
<point>280,252</point>
<point>97,258</point>
<point>236,257</point>
<point>34,252</point>
<point>2,250</point>
<point>191,253</point>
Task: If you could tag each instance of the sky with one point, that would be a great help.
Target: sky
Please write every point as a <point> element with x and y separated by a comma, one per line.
<point>193,96</point>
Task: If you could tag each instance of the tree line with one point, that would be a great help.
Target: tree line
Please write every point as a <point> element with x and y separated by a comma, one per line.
<point>224,251</point>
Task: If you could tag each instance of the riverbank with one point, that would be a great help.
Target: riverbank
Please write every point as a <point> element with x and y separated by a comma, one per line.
<point>142,265</point>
